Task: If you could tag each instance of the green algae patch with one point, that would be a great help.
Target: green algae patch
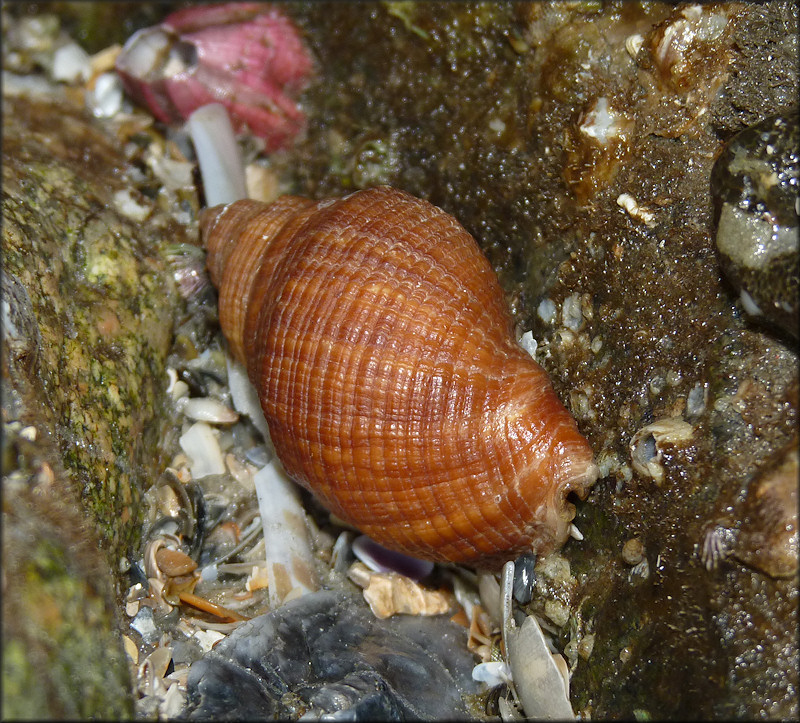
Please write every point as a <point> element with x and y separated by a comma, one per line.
<point>103,300</point>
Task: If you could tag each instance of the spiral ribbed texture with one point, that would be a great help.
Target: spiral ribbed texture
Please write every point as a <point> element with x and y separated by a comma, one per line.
<point>379,341</point>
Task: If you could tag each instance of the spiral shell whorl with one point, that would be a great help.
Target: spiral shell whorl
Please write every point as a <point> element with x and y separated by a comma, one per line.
<point>237,236</point>
<point>379,341</point>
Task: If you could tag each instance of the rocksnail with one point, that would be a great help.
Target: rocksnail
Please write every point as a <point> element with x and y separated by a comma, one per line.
<point>377,336</point>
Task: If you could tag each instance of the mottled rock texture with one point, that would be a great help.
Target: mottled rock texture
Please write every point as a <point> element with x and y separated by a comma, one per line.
<point>88,308</point>
<point>98,302</point>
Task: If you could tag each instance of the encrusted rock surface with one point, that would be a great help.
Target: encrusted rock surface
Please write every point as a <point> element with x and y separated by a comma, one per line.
<point>98,301</point>
<point>88,310</point>
<point>576,143</point>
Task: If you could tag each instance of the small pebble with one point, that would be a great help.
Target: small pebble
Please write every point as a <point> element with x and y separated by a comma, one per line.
<point>524,578</point>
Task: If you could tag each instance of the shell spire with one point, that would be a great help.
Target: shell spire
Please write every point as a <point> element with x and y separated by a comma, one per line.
<point>378,338</point>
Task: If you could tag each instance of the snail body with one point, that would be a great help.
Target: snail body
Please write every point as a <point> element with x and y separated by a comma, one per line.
<point>377,336</point>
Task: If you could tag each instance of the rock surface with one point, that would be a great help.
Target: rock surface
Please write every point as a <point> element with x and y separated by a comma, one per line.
<point>326,654</point>
<point>88,310</point>
<point>96,315</point>
<point>576,143</point>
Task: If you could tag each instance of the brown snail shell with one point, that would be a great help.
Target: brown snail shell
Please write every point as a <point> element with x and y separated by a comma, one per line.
<point>378,338</point>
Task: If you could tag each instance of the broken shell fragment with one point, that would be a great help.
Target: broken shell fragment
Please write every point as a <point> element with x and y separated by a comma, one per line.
<point>174,562</point>
<point>540,678</point>
<point>290,565</point>
<point>201,446</point>
<point>648,444</point>
<point>206,409</point>
<point>388,593</point>
<point>492,673</point>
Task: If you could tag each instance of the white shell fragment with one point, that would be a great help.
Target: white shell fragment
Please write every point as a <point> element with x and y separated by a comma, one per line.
<point>200,445</point>
<point>648,443</point>
<point>529,344</point>
<point>601,122</point>
<point>388,593</point>
<point>640,213</point>
<point>290,563</point>
<point>574,532</point>
<point>571,313</point>
<point>129,206</point>
<point>493,673</point>
<point>540,681</point>
<point>633,44</point>
<point>547,311</point>
<point>245,397</point>
<point>489,591</point>
<point>104,99</point>
<point>177,388</point>
<point>71,64</point>
<point>207,638</point>
<point>207,409</point>
<point>144,625</point>
<point>172,703</point>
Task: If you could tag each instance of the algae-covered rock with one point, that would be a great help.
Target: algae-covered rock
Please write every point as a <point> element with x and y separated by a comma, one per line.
<point>62,656</point>
<point>88,309</point>
<point>101,302</point>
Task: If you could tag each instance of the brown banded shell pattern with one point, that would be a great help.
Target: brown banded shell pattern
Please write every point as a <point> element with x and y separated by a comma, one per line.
<point>378,338</point>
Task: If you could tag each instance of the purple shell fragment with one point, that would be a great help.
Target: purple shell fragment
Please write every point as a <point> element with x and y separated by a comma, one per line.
<point>380,559</point>
<point>247,56</point>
